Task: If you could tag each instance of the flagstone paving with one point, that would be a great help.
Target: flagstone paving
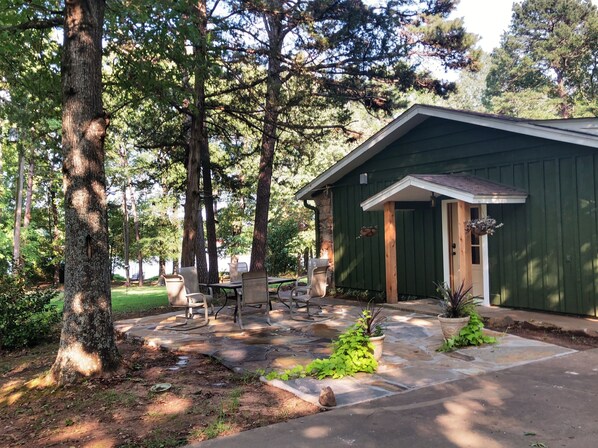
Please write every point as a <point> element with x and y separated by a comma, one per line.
<point>410,360</point>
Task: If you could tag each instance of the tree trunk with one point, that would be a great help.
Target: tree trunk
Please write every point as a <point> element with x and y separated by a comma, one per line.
<point>16,248</point>
<point>126,237</point>
<point>192,204</point>
<point>1,186</point>
<point>268,144</point>
<point>124,163</point>
<point>29,192</point>
<point>564,106</point>
<point>162,271</point>
<point>56,249</point>
<point>137,233</point>
<point>204,147</point>
<point>209,208</point>
<point>87,343</point>
<point>200,252</point>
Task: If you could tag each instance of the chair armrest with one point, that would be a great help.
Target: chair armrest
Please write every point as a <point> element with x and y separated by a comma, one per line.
<point>192,297</point>
<point>300,292</point>
<point>301,288</point>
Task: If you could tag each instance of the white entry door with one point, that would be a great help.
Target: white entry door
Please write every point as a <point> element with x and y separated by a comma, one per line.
<point>478,251</point>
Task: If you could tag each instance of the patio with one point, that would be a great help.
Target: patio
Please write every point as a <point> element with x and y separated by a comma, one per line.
<point>410,360</point>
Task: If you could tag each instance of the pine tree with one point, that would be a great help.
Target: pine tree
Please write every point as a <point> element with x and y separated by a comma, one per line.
<point>547,61</point>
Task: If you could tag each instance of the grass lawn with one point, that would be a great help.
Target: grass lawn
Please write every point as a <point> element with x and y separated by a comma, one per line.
<point>132,299</point>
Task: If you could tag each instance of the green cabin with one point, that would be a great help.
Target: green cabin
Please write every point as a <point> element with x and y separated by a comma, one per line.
<point>395,214</point>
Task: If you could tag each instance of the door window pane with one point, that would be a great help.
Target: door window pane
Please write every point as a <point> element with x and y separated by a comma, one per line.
<point>475,240</point>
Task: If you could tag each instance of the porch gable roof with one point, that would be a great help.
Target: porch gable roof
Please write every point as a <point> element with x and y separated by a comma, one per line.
<point>464,187</point>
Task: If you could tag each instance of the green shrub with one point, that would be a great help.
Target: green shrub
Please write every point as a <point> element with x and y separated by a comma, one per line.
<point>472,334</point>
<point>26,317</point>
<point>352,353</point>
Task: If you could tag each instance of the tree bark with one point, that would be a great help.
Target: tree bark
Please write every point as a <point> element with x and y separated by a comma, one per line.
<point>126,237</point>
<point>56,249</point>
<point>268,143</point>
<point>204,147</point>
<point>192,204</point>
<point>162,270</point>
<point>200,252</point>
<point>564,106</point>
<point>87,342</point>
<point>126,229</point>
<point>16,247</point>
<point>29,192</point>
<point>137,232</point>
<point>1,186</point>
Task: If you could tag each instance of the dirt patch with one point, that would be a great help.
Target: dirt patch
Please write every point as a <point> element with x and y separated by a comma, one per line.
<point>206,400</point>
<point>577,340</point>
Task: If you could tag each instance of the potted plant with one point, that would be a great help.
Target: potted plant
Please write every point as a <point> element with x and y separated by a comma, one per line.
<point>371,321</point>
<point>457,306</point>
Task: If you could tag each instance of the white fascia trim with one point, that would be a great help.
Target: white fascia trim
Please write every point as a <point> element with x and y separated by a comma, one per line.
<point>380,140</point>
<point>377,201</point>
<point>519,127</point>
<point>479,199</point>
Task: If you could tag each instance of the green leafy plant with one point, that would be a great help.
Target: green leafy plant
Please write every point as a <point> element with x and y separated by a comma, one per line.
<point>26,317</point>
<point>471,335</point>
<point>459,302</point>
<point>352,353</point>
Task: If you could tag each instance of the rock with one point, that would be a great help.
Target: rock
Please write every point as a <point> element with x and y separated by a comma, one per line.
<point>327,397</point>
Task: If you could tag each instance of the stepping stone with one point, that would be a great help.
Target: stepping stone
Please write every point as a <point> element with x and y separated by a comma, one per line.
<point>239,355</point>
<point>461,356</point>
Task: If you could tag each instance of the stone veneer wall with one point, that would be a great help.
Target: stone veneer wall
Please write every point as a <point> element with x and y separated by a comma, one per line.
<point>324,204</point>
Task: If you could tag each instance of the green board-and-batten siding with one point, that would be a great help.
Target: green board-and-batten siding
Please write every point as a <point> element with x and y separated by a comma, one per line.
<point>546,255</point>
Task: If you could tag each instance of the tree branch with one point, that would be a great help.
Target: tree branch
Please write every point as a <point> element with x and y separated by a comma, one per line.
<point>35,25</point>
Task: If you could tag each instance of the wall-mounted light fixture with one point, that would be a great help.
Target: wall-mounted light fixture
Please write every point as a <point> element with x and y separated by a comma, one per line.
<point>433,200</point>
<point>363,179</point>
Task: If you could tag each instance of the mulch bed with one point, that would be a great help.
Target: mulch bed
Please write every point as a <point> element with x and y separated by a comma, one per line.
<point>206,400</point>
<point>577,340</point>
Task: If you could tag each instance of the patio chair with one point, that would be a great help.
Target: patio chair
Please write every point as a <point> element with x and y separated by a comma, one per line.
<point>312,264</point>
<point>179,296</point>
<point>192,284</point>
<point>305,295</point>
<point>236,269</point>
<point>255,293</point>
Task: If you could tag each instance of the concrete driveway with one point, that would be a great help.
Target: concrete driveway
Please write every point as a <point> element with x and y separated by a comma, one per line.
<point>551,403</point>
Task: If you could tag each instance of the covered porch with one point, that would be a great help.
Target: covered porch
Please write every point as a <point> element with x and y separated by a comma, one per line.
<point>462,197</point>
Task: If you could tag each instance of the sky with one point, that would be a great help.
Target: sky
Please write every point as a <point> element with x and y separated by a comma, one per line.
<point>488,19</point>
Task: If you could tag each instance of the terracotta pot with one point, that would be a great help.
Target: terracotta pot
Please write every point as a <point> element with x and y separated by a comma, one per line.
<point>451,326</point>
<point>378,343</point>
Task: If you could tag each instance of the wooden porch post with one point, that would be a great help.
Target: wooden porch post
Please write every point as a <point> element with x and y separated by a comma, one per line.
<point>390,251</point>
<point>464,215</point>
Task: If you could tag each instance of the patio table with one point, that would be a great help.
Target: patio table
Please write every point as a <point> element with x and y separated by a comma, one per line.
<point>237,286</point>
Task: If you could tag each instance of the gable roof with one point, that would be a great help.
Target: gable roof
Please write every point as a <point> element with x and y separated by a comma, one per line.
<point>465,187</point>
<point>577,131</point>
